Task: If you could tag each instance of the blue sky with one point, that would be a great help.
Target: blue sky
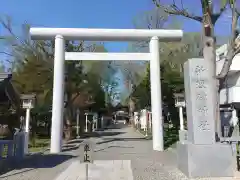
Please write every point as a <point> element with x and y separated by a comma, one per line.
<point>87,14</point>
<point>78,13</point>
<point>90,14</point>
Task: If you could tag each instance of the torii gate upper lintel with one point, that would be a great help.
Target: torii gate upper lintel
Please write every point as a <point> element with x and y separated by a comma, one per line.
<point>62,34</point>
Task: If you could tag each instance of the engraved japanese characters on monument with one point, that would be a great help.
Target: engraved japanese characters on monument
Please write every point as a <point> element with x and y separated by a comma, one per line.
<point>86,151</point>
<point>199,100</point>
<point>198,157</point>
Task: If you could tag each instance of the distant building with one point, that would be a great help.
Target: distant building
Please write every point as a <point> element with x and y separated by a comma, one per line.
<point>10,106</point>
<point>231,93</point>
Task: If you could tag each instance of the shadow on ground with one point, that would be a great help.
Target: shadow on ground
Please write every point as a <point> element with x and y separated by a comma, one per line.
<point>34,162</point>
<point>100,134</point>
<point>170,137</point>
<point>117,126</point>
<point>113,128</point>
<point>107,140</point>
<point>123,147</point>
<point>70,147</point>
<point>74,141</point>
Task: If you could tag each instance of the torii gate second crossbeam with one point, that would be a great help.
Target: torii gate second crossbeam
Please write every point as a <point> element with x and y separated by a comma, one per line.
<point>62,34</point>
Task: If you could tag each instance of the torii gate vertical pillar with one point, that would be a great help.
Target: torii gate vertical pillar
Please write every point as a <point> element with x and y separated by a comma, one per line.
<point>156,95</point>
<point>58,94</point>
<point>106,35</point>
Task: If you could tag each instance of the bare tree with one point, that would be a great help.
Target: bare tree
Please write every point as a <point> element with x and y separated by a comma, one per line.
<point>36,59</point>
<point>208,20</point>
<point>134,71</point>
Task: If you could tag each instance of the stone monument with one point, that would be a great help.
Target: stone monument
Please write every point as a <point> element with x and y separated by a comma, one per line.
<point>86,152</point>
<point>201,155</point>
<point>180,104</point>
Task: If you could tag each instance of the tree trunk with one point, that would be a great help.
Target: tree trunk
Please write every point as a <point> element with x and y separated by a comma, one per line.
<point>81,121</point>
<point>68,124</point>
<point>131,110</point>
<point>209,54</point>
<point>49,124</point>
<point>34,130</point>
<point>68,129</point>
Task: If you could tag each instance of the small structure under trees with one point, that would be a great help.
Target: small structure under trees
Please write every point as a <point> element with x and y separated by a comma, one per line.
<point>62,34</point>
<point>211,13</point>
<point>10,105</point>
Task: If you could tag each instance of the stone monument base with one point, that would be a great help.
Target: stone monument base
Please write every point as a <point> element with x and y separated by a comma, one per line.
<point>182,135</point>
<point>213,160</point>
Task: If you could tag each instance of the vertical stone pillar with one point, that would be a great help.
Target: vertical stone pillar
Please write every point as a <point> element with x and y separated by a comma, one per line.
<point>156,95</point>
<point>58,93</point>
<point>200,156</point>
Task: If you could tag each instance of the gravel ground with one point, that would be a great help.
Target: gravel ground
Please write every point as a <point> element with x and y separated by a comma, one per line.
<point>119,143</point>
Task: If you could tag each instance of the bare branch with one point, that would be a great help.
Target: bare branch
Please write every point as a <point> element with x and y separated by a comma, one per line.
<point>7,26</point>
<point>2,52</point>
<point>174,10</point>
<point>237,12</point>
<point>216,16</point>
<point>233,45</point>
<point>182,4</point>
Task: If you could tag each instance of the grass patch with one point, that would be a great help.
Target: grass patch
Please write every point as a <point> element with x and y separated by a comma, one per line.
<point>38,144</point>
<point>149,134</point>
<point>170,136</point>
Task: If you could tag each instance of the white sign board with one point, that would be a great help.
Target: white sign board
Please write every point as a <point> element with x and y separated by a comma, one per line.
<point>180,104</point>
<point>27,103</point>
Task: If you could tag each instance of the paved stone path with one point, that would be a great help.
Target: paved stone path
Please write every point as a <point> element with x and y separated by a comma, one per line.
<point>119,143</point>
<point>107,170</point>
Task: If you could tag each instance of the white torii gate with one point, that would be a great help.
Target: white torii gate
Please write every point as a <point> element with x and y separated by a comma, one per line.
<point>62,34</point>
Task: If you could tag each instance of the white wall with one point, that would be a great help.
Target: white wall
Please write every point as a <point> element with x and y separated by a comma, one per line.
<point>232,92</point>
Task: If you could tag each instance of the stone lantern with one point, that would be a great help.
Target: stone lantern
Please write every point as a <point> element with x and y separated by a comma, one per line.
<point>28,102</point>
<point>180,104</point>
<point>78,127</point>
